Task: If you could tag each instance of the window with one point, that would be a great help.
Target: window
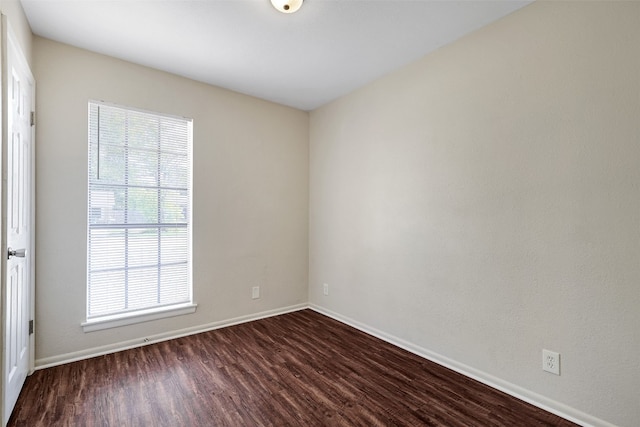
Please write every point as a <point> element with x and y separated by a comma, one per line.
<point>139,216</point>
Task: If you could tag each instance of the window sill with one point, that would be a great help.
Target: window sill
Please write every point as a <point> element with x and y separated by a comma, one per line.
<point>115,321</point>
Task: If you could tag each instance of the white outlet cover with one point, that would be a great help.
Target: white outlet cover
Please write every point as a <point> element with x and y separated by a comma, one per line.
<point>551,362</point>
<point>325,289</point>
<point>255,292</point>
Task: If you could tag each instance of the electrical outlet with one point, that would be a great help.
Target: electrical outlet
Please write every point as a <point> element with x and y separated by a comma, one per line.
<point>551,362</point>
<point>255,292</point>
<point>325,289</point>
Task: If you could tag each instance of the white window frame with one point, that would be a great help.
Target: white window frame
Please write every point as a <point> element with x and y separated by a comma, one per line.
<point>131,316</point>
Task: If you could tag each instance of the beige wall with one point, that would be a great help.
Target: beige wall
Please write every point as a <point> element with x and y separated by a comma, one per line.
<point>483,204</point>
<point>250,205</point>
<point>18,22</point>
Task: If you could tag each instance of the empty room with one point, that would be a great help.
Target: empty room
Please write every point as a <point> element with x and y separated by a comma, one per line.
<point>320,213</point>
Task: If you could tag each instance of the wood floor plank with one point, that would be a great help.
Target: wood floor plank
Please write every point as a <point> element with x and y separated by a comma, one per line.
<point>297,369</point>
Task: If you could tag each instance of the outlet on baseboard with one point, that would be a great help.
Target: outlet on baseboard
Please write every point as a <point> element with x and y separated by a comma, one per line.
<point>325,289</point>
<point>255,292</point>
<point>551,362</point>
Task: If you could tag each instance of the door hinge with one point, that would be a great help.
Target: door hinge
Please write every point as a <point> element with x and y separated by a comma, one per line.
<point>30,327</point>
<point>33,118</point>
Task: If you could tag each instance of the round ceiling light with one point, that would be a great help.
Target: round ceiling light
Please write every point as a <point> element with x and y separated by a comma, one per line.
<point>287,6</point>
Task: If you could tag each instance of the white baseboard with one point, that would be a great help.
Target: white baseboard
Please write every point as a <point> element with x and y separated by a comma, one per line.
<point>49,362</point>
<point>528,396</point>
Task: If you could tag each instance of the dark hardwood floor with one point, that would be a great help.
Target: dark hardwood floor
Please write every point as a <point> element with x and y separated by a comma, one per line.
<point>297,369</point>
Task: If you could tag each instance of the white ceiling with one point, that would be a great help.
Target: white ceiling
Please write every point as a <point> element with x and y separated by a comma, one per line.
<point>304,60</point>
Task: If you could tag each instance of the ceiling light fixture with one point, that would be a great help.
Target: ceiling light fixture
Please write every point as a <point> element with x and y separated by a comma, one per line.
<point>287,6</point>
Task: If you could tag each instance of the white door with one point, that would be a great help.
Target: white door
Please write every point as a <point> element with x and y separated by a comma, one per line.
<point>17,220</point>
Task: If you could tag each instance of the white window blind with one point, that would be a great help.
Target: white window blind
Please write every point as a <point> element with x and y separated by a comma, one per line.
<point>139,210</point>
